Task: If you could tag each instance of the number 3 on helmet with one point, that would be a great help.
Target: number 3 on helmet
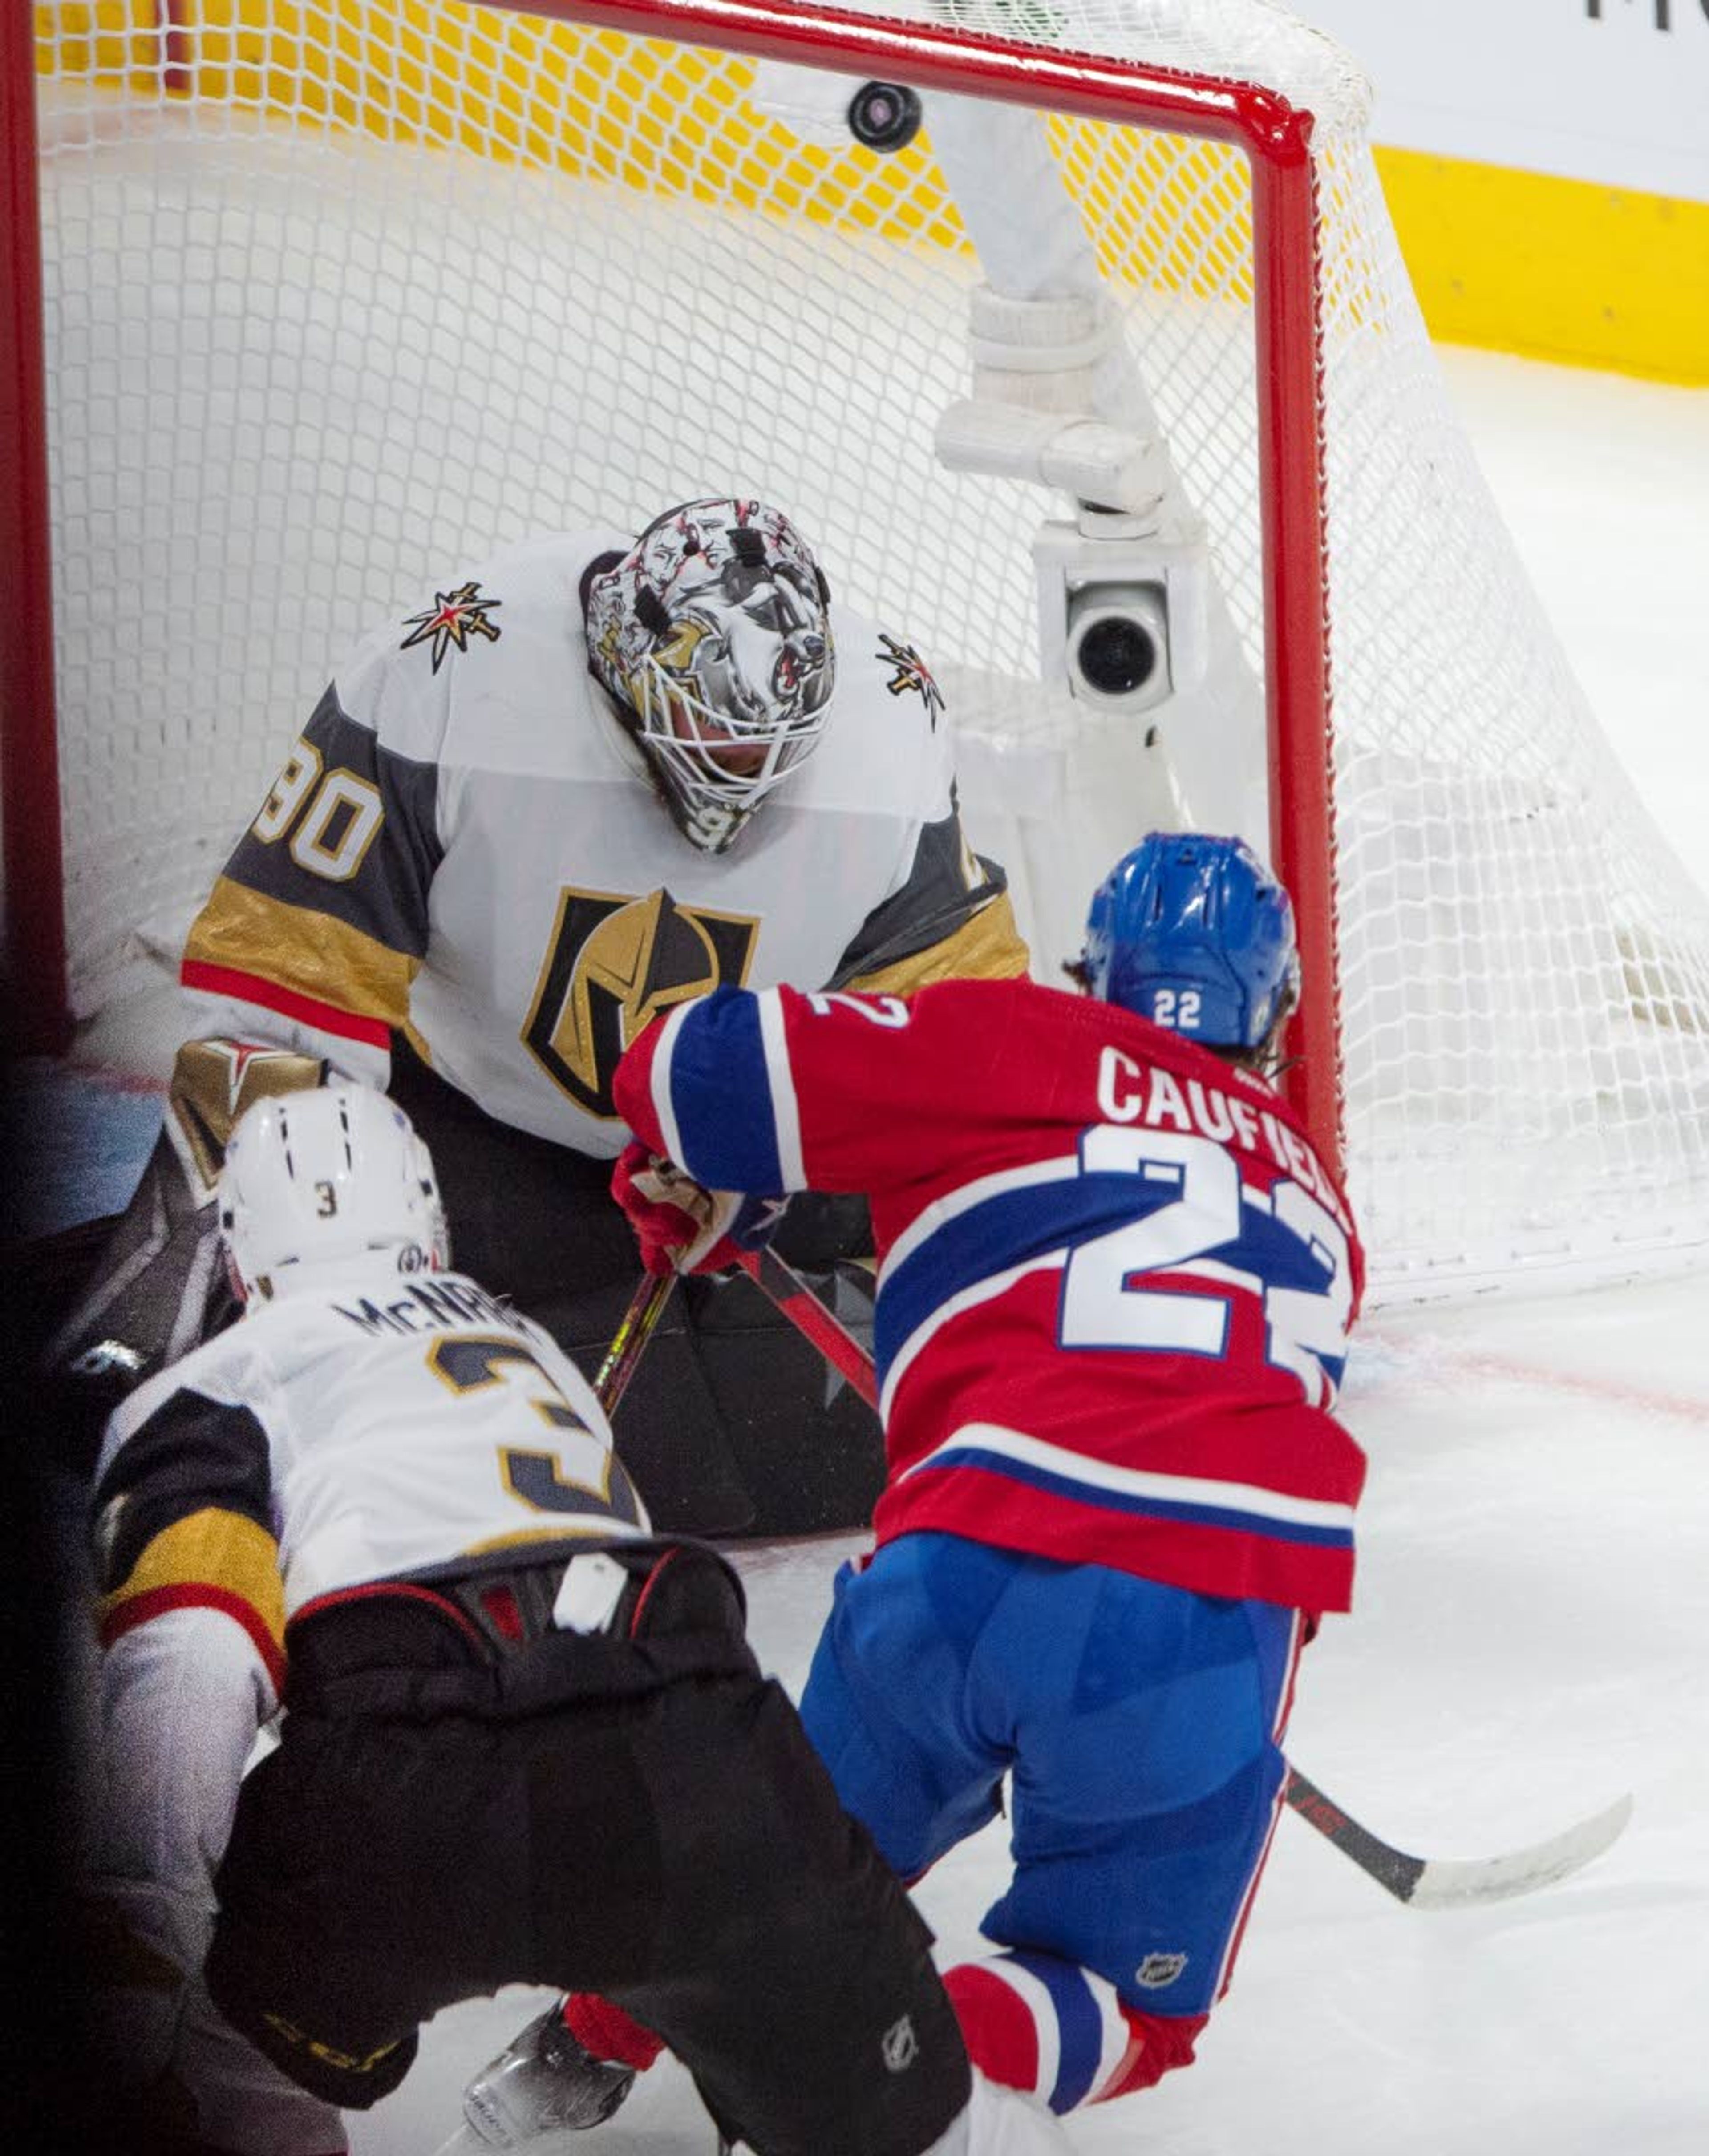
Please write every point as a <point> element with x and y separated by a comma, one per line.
<point>329,1177</point>
<point>1196,934</point>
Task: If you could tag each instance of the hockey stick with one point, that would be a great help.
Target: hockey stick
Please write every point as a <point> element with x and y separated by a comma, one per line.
<point>781,1283</point>
<point>634,1330</point>
<point>1421,1882</point>
<point>1445,1882</point>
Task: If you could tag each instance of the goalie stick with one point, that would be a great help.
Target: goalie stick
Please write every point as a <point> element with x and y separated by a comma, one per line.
<point>1421,1882</point>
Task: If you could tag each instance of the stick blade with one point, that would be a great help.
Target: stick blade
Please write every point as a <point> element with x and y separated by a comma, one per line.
<point>1450,1883</point>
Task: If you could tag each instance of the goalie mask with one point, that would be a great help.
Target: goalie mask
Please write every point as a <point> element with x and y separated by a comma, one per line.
<point>714,634</point>
<point>326,1177</point>
<point>1197,935</point>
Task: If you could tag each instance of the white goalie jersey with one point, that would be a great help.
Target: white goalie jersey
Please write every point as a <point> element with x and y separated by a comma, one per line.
<point>374,1425</point>
<point>465,847</point>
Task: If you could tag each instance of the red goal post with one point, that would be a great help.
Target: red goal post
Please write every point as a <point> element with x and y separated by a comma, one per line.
<point>35,975</point>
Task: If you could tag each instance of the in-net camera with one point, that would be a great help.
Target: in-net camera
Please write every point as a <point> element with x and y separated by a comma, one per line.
<point>1122,609</point>
<point>1118,643</point>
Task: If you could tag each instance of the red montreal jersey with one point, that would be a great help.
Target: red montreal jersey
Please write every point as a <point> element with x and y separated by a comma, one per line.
<point>1115,1279</point>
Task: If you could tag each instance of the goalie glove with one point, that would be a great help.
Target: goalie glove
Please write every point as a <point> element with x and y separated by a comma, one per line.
<point>157,1286</point>
<point>682,1227</point>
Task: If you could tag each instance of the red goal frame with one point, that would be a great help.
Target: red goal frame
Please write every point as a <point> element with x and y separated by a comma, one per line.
<point>1274,136</point>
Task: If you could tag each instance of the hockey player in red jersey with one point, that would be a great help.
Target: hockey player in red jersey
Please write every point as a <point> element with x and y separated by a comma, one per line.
<point>580,782</point>
<point>525,1739</point>
<point>1114,1287</point>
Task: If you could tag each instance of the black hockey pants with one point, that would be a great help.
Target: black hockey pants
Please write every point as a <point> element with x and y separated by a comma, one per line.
<point>637,1812</point>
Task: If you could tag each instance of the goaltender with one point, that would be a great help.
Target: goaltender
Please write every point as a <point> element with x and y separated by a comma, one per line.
<point>573,788</point>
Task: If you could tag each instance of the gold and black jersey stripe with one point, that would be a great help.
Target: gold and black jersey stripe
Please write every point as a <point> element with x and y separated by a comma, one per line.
<point>183,1520</point>
<point>322,908</point>
<point>952,920</point>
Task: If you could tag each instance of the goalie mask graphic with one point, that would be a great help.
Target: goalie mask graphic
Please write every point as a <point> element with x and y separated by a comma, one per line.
<point>714,634</point>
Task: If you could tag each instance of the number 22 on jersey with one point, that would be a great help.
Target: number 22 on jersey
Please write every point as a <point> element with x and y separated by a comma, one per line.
<point>1200,1221</point>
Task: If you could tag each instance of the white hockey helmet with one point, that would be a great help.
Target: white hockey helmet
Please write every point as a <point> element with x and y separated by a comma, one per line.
<point>322,1177</point>
<point>713,633</point>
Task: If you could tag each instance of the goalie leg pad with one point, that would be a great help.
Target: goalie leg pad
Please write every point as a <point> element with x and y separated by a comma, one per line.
<point>157,1288</point>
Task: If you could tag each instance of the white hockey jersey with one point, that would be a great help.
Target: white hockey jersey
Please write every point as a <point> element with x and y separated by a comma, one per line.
<point>465,846</point>
<point>380,1426</point>
<point>372,1426</point>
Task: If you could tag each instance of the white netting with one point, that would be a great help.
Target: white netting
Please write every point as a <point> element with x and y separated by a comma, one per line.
<point>341,297</point>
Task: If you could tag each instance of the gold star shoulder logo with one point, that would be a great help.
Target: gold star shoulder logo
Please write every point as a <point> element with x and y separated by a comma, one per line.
<point>909,670</point>
<point>453,618</point>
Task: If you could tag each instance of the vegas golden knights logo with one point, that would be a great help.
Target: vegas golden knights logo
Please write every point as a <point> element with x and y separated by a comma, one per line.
<point>613,964</point>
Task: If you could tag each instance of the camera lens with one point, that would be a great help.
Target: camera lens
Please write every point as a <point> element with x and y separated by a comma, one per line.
<point>883,115</point>
<point>1117,655</point>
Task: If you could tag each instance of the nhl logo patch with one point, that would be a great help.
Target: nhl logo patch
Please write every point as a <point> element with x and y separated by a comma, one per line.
<point>900,2046</point>
<point>1158,1969</point>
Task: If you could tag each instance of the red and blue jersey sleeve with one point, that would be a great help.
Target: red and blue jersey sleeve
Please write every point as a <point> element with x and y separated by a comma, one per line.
<point>775,1091</point>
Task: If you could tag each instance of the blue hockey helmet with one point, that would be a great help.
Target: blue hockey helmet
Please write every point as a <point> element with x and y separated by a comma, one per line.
<point>1195,933</point>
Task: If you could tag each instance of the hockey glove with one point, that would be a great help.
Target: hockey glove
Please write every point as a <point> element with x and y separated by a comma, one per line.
<point>681,1227</point>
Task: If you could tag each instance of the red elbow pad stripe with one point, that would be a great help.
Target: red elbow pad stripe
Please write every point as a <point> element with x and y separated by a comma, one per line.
<point>306,1010</point>
<point>124,1616</point>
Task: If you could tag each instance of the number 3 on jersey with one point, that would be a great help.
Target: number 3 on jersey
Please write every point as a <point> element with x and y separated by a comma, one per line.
<point>1291,1252</point>
<point>543,1480</point>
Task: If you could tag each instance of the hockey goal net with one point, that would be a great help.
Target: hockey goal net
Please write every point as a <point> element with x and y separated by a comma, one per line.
<point>337,296</point>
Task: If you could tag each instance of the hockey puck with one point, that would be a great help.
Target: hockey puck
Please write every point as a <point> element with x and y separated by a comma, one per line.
<point>883,115</point>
